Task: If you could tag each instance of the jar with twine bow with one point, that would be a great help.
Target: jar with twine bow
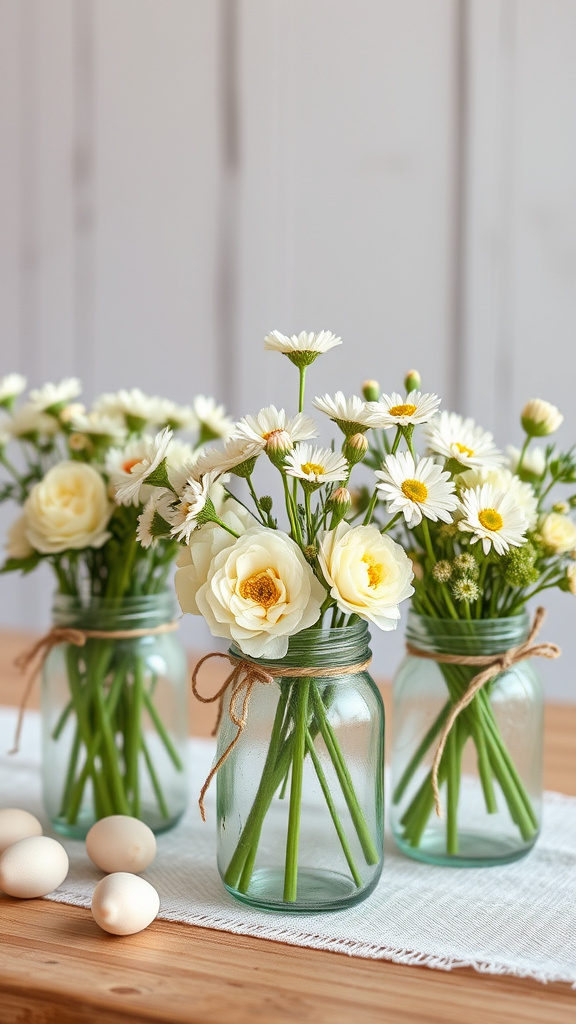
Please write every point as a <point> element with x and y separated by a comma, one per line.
<point>299,773</point>
<point>468,731</point>
<point>114,712</point>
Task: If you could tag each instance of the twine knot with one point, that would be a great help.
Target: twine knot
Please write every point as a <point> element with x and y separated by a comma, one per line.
<point>494,665</point>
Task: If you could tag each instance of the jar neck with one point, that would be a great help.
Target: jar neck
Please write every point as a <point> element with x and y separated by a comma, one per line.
<point>465,636</point>
<point>148,610</point>
<point>321,648</point>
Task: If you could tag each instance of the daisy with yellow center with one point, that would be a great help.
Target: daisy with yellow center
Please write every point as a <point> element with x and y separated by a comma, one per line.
<point>302,349</point>
<point>416,489</point>
<point>272,424</point>
<point>194,508</point>
<point>395,411</point>
<point>316,466</point>
<point>352,415</point>
<point>494,517</point>
<point>462,440</point>
<point>129,469</point>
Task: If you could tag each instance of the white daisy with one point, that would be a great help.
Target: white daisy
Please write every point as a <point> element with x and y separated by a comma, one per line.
<point>456,438</point>
<point>494,517</point>
<point>51,397</point>
<point>533,463</point>
<point>417,489</point>
<point>316,466</point>
<point>29,422</point>
<point>153,522</point>
<point>302,349</point>
<point>177,417</point>
<point>135,465</point>
<point>237,451</point>
<point>503,480</point>
<point>395,411</point>
<point>352,415</point>
<point>97,425</point>
<point>212,419</point>
<point>12,385</point>
<point>134,407</point>
<point>272,421</point>
<point>186,514</point>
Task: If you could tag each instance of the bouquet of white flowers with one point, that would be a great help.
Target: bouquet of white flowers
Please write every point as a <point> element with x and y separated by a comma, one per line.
<point>82,478</point>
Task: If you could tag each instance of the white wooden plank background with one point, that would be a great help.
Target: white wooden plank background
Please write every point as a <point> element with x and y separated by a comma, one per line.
<point>180,177</point>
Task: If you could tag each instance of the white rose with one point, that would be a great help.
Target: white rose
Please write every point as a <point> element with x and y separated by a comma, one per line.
<point>571,578</point>
<point>558,532</point>
<point>540,418</point>
<point>369,574</point>
<point>68,509</point>
<point>522,493</point>
<point>196,558</point>
<point>17,543</point>
<point>259,591</point>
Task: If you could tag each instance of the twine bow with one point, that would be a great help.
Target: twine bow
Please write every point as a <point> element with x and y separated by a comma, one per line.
<point>36,655</point>
<point>495,664</point>
<point>242,678</point>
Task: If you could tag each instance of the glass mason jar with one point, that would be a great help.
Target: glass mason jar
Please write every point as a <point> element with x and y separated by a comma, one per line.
<point>490,774</point>
<point>114,716</point>
<point>300,797</point>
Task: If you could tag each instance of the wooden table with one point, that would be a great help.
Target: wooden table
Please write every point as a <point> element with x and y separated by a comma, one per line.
<point>57,967</point>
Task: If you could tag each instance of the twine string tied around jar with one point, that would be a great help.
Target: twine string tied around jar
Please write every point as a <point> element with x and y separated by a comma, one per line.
<point>32,660</point>
<point>494,665</point>
<point>244,675</point>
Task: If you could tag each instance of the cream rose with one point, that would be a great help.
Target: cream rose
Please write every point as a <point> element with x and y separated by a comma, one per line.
<point>368,574</point>
<point>17,543</point>
<point>196,558</point>
<point>540,418</point>
<point>259,591</point>
<point>68,509</point>
<point>558,532</point>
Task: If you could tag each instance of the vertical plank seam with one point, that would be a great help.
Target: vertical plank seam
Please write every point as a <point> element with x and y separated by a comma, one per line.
<point>83,160</point>
<point>28,191</point>
<point>461,141</point>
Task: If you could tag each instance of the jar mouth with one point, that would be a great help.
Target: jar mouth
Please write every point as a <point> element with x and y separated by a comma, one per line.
<point>319,648</point>
<point>114,613</point>
<point>466,636</point>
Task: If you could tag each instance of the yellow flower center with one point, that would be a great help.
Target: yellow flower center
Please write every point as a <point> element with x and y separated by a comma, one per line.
<point>260,588</point>
<point>415,490</point>
<point>376,571</point>
<point>402,410</point>
<point>490,519</point>
<point>128,466</point>
<point>272,433</point>
<point>312,467</point>
<point>464,450</point>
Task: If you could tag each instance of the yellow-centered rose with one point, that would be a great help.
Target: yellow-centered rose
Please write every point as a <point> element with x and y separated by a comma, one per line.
<point>558,533</point>
<point>259,591</point>
<point>68,509</point>
<point>368,574</point>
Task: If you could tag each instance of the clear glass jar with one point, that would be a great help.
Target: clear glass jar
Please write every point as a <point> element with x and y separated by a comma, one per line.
<point>114,716</point>
<point>490,774</point>
<point>300,797</point>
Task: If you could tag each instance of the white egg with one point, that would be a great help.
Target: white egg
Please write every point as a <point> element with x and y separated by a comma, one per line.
<point>33,867</point>
<point>121,843</point>
<point>123,904</point>
<point>16,824</point>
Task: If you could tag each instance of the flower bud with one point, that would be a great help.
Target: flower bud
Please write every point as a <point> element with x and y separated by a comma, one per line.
<point>266,503</point>
<point>310,552</point>
<point>354,448</point>
<point>412,381</point>
<point>371,390</point>
<point>540,418</point>
<point>339,503</point>
<point>278,444</point>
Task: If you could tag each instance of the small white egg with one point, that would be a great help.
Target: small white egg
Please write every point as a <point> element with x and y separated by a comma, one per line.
<point>33,867</point>
<point>16,824</point>
<point>123,904</point>
<point>121,843</point>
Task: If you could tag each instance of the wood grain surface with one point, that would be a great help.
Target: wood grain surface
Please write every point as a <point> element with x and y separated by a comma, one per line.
<point>57,967</point>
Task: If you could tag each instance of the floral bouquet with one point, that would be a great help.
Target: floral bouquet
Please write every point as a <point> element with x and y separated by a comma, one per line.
<point>485,535</point>
<point>293,598</point>
<point>82,478</point>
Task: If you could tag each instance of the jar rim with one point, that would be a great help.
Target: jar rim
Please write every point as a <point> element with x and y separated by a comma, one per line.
<point>113,613</point>
<point>322,647</point>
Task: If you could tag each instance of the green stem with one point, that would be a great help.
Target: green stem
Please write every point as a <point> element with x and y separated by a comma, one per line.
<point>422,749</point>
<point>302,370</point>
<point>370,509</point>
<point>298,753</point>
<point>332,808</point>
<point>134,729</point>
<point>154,779</point>
<point>161,730</point>
<point>453,776</point>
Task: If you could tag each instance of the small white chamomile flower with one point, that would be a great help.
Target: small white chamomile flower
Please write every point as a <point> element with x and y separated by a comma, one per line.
<point>316,466</point>
<point>302,349</point>
<point>352,415</point>
<point>493,517</point>
<point>460,439</point>
<point>51,397</point>
<point>138,466</point>
<point>212,419</point>
<point>395,411</point>
<point>416,489</point>
<point>271,421</point>
<point>12,385</point>
<point>186,514</point>
<point>237,452</point>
